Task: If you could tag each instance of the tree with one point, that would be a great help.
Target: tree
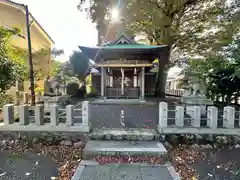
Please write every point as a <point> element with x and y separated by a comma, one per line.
<point>55,67</point>
<point>80,64</point>
<point>186,26</point>
<point>220,72</point>
<point>11,65</point>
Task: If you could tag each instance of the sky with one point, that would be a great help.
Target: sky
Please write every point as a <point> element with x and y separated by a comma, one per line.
<point>65,24</point>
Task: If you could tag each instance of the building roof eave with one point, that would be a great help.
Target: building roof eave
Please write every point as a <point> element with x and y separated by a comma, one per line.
<point>22,8</point>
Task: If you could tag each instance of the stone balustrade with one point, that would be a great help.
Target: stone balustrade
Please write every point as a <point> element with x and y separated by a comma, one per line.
<point>174,92</point>
<point>39,123</point>
<point>230,122</point>
<point>171,121</point>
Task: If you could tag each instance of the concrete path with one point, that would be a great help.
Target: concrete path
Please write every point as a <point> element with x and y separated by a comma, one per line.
<point>124,172</point>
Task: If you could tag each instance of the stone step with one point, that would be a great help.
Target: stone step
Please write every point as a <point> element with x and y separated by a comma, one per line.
<point>91,170</point>
<point>95,148</point>
<point>125,134</point>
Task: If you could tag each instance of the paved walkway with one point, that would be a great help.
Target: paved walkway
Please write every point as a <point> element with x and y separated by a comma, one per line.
<point>26,166</point>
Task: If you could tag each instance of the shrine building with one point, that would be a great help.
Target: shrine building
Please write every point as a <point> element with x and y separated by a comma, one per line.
<point>125,68</point>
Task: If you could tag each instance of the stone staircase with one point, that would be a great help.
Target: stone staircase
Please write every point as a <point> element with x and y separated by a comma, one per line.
<point>119,154</point>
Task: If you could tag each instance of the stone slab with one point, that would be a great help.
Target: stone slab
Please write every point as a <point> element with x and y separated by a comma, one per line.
<point>61,127</point>
<point>193,130</point>
<point>123,148</point>
<point>123,101</point>
<point>124,134</point>
<point>125,172</point>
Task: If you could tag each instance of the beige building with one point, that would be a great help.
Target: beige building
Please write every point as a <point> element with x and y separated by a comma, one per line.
<point>13,15</point>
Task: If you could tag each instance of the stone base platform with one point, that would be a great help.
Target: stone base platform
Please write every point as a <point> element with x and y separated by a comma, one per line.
<point>123,148</point>
<point>92,171</point>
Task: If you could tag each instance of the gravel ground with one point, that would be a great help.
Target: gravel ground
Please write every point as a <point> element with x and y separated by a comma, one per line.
<point>206,164</point>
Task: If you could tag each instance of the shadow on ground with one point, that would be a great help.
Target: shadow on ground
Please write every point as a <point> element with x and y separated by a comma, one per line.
<point>26,166</point>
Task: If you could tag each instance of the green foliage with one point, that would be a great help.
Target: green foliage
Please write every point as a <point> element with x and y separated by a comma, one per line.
<point>80,64</point>
<point>72,88</point>
<point>182,24</point>
<point>5,99</point>
<point>220,72</point>
<point>11,65</point>
<point>55,67</point>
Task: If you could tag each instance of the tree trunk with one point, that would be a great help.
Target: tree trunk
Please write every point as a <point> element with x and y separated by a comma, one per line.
<point>162,73</point>
<point>161,82</point>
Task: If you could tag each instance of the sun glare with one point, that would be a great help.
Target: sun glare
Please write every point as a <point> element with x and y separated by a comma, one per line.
<point>115,14</point>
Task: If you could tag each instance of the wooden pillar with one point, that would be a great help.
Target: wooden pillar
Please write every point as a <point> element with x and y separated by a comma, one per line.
<point>111,78</point>
<point>142,82</point>
<point>102,82</point>
<point>122,84</point>
<point>135,77</point>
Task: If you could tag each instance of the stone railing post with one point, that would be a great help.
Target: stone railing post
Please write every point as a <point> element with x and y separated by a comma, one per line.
<point>38,96</point>
<point>25,98</point>
<point>17,100</point>
<point>163,114</point>
<point>69,115</point>
<point>212,117</point>
<point>179,116</point>
<point>23,115</point>
<point>54,120</point>
<point>39,114</point>
<point>196,116</point>
<point>85,111</point>
<point>8,114</point>
<point>228,117</point>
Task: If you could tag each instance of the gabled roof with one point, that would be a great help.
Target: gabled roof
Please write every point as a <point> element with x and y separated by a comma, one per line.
<point>22,8</point>
<point>122,39</point>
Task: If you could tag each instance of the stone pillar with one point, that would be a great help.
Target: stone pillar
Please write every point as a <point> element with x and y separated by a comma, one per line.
<point>23,115</point>
<point>8,114</point>
<point>69,115</point>
<point>54,120</point>
<point>142,83</point>
<point>196,116</point>
<point>38,96</point>
<point>179,116</point>
<point>39,114</point>
<point>228,117</point>
<point>102,82</point>
<point>85,113</point>
<point>212,117</point>
<point>25,98</point>
<point>163,114</point>
<point>17,100</point>
<point>135,77</point>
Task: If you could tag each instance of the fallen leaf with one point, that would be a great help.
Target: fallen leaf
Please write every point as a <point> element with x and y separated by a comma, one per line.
<point>27,174</point>
<point>2,174</point>
<point>210,175</point>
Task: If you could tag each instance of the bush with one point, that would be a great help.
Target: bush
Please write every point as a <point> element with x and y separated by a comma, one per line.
<point>5,99</point>
<point>81,92</point>
<point>72,89</point>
